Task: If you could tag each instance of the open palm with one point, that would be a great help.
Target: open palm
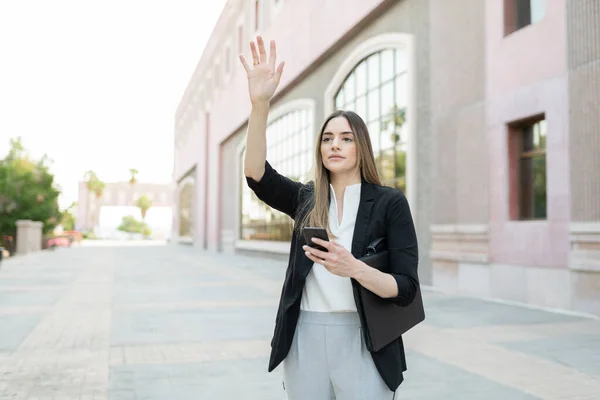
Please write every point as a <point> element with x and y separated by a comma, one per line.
<point>263,77</point>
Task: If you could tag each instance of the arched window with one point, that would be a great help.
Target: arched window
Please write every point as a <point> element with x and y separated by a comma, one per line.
<point>290,151</point>
<point>377,90</point>
<point>186,211</point>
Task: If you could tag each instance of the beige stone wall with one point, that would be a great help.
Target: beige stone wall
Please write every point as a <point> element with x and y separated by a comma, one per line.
<point>29,236</point>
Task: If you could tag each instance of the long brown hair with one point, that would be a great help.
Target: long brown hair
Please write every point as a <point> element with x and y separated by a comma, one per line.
<point>315,211</point>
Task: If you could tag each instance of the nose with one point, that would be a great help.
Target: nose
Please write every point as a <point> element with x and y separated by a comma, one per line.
<point>335,143</point>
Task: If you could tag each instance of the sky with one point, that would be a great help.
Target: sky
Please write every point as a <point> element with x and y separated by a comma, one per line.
<point>95,84</point>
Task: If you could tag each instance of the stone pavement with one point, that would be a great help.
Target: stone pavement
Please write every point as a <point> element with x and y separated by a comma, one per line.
<point>172,322</point>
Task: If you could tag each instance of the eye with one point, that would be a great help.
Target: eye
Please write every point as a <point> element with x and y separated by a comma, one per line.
<point>348,139</point>
<point>325,139</point>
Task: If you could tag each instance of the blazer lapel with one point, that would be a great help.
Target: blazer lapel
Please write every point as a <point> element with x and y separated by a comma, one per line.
<point>363,215</point>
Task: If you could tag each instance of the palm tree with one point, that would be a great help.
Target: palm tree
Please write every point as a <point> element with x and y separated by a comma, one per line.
<point>143,203</point>
<point>133,172</point>
<point>99,189</point>
<point>95,186</point>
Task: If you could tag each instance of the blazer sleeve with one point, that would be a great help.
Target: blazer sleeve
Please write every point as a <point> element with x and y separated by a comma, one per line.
<point>277,191</point>
<point>402,248</point>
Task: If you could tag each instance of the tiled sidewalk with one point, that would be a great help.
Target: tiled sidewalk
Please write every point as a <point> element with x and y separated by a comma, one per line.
<point>170,322</point>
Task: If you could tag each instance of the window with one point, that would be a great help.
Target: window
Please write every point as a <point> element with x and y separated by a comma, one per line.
<point>520,13</point>
<point>227,60</point>
<point>290,145</point>
<point>256,15</point>
<point>527,151</point>
<point>186,201</point>
<point>216,76</point>
<point>376,89</point>
<point>240,39</point>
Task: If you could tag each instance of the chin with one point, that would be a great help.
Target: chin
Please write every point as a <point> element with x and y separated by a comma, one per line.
<point>338,169</point>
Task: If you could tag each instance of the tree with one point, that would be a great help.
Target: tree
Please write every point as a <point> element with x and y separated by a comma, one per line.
<point>68,219</point>
<point>393,161</point>
<point>144,203</point>
<point>94,186</point>
<point>131,225</point>
<point>27,191</point>
<point>133,172</point>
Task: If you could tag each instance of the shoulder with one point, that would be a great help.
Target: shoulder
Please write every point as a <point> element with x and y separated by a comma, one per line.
<point>391,200</point>
<point>388,194</point>
<point>306,191</point>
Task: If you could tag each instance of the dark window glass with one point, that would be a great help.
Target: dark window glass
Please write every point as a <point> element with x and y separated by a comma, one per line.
<point>532,172</point>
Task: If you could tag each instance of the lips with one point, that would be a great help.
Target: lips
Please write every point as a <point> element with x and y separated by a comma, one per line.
<point>336,157</point>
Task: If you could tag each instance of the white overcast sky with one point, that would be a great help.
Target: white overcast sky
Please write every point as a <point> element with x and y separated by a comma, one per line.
<point>95,84</point>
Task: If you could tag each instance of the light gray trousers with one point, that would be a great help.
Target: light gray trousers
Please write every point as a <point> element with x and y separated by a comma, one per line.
<point>329,360</point>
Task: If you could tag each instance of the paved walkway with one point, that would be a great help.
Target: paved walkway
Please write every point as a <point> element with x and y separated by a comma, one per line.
<point>168,322</point>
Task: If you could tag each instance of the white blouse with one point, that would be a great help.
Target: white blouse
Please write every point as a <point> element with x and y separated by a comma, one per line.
<point>324,291</point>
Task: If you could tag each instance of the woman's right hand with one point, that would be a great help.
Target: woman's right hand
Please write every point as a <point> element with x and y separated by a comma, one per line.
<point>263,77</point>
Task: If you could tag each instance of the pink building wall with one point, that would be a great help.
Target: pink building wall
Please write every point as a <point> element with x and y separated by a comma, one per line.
<point>526,74</point>
<point>297,48</point>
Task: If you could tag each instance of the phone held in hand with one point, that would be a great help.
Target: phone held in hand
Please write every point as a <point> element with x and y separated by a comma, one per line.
<point>310,232</point>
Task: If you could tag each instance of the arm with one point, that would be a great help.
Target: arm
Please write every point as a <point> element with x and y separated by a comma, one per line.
<point>256,141</point>
<point>263,80</point>
<point>275,190</point>
<point>401,284</point>
<point>382,284</point>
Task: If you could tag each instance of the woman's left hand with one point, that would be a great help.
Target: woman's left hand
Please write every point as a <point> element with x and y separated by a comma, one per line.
<point>337,259</point>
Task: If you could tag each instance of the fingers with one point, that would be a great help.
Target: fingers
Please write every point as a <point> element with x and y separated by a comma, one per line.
<point>255,58</point>
<point>316,252</point>
<point>315,259</point>
<point>278,72</point>
<point>244,63</point>
<point>272,54</point>
<point>261,49</point>
<point>325,243</point>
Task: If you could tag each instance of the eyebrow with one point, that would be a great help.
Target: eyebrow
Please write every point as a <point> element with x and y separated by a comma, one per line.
<point>341,133</point>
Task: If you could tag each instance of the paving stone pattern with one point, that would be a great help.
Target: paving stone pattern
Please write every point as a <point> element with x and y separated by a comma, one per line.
<point>173,322</point>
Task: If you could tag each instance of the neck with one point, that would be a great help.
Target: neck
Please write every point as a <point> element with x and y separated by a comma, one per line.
<point>340,181</point>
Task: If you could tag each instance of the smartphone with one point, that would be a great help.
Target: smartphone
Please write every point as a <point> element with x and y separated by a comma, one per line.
<point>311,232</point>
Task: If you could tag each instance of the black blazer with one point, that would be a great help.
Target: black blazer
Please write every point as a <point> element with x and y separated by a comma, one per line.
<point>383,211</point>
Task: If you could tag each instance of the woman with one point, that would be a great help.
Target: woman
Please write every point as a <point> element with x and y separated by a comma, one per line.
<point>318,335</point>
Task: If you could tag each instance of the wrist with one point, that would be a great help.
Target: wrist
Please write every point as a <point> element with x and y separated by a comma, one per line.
<point>359,269</point>
<point>261,104</point>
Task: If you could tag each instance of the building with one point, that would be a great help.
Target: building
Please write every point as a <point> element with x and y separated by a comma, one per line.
<point>499,153</point>
<point>123,195</point>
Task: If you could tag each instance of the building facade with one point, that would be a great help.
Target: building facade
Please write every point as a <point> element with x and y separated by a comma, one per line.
<point>483,112</point>
<point>119,194</point>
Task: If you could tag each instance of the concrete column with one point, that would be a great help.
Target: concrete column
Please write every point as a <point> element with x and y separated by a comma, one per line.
<point>583,41</point>
<point>583,49</point>
<point>29,236</point>
<point>23,236</point>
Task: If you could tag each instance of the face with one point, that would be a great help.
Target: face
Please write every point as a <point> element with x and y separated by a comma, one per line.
<point>338,146</point>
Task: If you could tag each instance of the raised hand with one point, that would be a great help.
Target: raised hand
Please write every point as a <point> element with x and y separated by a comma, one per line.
<point>263,76</point>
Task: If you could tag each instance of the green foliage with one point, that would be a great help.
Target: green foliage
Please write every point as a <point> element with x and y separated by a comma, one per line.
<point>133,172</point>
<point>144,203</point>
<point>131,225</point>
<point>68,219</point>
<point>27,191</point>
<point>94,184</point>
